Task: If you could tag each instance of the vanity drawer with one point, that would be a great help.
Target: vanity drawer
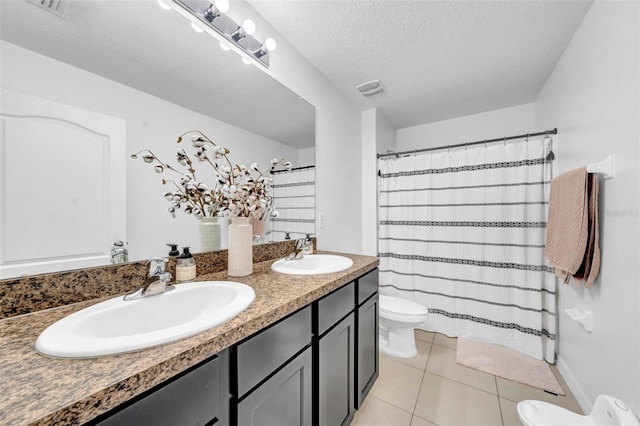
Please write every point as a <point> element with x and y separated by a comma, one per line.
<point>263,353</point>
<point>335,306</point>
<point>199,397</point>
<point>367,285</point>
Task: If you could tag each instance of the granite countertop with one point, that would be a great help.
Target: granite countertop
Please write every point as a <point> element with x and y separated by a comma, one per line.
<point>38,390</point>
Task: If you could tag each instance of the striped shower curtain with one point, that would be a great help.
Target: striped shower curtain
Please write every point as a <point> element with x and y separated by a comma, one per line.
<point>463,233</point>
<point>294,198</point>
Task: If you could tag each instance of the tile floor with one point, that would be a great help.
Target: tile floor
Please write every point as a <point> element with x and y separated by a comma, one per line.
<point>431,389</point>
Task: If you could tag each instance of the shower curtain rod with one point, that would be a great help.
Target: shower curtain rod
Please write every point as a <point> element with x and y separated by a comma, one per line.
<point>293,169</point>
<point>503,139</point>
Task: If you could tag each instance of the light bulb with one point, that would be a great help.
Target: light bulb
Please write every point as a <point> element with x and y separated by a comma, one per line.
<point>163,5</point>
<point>197,28</point>
<point>224,46</point>
<point>249,26</point>
<point>222,5</point>
<point>246,61</point>
<point>270,44</point>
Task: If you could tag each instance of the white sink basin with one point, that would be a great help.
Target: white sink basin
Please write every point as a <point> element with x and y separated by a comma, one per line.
<point>313,264</point>
<point>116,326</point>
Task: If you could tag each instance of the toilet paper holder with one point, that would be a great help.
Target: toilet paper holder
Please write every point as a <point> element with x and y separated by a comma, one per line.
<point>581,315</point>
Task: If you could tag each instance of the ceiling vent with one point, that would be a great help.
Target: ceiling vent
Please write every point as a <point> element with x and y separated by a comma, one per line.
<point>57,7</point>
<point>371,88</point>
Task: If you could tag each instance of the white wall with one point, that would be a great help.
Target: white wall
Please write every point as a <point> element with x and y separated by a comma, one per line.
<point>377,137</point>
<point>338,141</point>
<point>306,157</point>
<point>487,125</point>
<point>592,98</point>
<point>151,123</point>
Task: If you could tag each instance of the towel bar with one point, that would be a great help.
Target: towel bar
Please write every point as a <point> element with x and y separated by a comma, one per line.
<point>582,316</point>
<point>604,167</point>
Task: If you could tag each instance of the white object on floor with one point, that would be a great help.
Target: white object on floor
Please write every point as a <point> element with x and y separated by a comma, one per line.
<point>607,411</point>
<point>398,318</point>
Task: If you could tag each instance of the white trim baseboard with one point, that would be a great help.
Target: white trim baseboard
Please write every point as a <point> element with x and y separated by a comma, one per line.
<point>581,397</point>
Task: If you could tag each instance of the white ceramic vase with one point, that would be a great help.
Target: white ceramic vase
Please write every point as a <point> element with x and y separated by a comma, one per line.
<point>213,233</point>
<point>240,252</point>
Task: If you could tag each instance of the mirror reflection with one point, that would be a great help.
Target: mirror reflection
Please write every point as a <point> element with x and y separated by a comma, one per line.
<point>83,91</point>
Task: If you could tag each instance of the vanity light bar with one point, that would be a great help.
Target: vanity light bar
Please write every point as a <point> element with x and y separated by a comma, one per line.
<point>236,35</point>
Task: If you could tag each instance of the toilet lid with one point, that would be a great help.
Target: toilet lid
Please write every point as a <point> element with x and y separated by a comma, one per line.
<point>542,413</point>
<point>393,305</point>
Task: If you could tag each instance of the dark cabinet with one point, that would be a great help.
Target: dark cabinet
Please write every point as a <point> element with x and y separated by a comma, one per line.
<point>199,397</point>
<point>282,400</point>
<point>274,374</point>
<point>334,346</point>
<point>367,335</point>
<point>367,345</point>
<point>336,374</point>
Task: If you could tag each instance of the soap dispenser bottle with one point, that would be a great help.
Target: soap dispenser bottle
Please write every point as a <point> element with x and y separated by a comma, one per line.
<point>174,250</point>
<point>307,246</point>
<point>119,253</point>
<point>185,266</point>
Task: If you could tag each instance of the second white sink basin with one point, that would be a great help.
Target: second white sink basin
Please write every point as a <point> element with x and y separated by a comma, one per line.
<point>313,264</point>
<point>117,325</point>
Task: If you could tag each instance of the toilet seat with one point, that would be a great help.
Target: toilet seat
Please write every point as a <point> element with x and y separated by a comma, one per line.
<point>398,309</point>
<point>607,411</point>
<point>543,413</point>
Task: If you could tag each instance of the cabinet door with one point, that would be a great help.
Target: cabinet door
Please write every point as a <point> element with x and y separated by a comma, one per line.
<point>283,400</point>
<point>198,398</point>
<point>367,364</point>
<point>336,374</point>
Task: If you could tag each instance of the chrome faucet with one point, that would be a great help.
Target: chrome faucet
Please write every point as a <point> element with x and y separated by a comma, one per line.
<point>298,253</point>
<point>155,283</point>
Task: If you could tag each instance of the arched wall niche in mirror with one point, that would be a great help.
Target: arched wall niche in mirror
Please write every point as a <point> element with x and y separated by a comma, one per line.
<point>147,69</point>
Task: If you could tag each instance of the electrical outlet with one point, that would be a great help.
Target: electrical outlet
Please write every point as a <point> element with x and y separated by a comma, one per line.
<point>321,221</point>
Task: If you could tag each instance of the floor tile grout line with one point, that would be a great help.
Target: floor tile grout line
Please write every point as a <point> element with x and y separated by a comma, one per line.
<point>462,383</point>
<point>392,404</point>
<point>415,404</point>
<point>495,380</point>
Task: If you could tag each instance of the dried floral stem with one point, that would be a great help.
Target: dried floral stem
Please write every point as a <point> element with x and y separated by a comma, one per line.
<point>236,191</point>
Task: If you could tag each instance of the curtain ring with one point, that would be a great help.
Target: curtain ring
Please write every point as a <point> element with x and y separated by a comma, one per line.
<point>485,144</point>
<point>527,139</point>
<point>415,152</point>
<point>448,148</point>
<point>505,141</point>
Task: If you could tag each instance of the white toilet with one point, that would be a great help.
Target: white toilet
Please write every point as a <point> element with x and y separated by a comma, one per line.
<point>607,411</point>
<point>398,318</point>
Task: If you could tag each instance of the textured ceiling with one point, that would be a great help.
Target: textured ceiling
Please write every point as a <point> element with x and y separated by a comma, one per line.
<point>437,59</point>
<point>142,46</point>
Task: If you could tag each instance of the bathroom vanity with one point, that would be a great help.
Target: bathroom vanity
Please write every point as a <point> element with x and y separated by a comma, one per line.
<point>305,352</point>
<point>308,368</point>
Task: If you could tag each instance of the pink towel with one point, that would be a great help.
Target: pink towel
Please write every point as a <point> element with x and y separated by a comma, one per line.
<point>572,240</point>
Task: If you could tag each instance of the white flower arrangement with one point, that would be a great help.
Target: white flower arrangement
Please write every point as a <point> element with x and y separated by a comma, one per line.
<point>239,191</point>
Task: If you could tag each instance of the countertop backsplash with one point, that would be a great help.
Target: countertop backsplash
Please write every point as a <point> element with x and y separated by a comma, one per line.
<point>24,295</point>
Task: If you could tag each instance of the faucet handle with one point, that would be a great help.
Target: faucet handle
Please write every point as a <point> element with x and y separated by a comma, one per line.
<point>157,265</point>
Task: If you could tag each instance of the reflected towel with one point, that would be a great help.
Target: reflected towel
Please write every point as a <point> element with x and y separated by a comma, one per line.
<point>572,240</point>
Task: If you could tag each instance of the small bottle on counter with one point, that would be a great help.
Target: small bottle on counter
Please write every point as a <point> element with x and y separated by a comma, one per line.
<point>174,252</point>
<point>307,246</point>
<point>185,267</point>
<point>119,253</point>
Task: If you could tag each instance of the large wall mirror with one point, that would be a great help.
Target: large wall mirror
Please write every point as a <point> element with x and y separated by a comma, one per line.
<point>85,89</point>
